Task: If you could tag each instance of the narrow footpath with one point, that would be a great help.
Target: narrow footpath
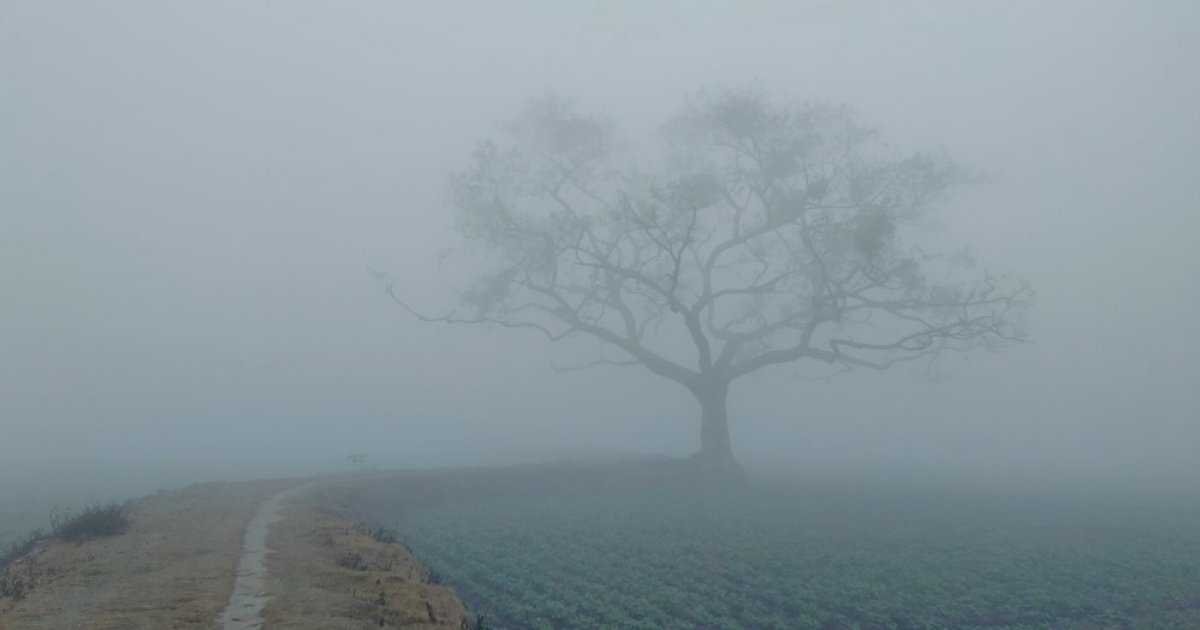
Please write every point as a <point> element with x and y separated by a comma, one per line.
<point>244,611</point>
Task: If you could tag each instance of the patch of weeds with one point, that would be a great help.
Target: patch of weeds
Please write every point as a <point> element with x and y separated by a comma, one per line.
<point>352,561</point>
<point>386,535</point>
<point>16,583</point>
<point>95,521</point>
<point>14,587</point>
<point>19,548</point>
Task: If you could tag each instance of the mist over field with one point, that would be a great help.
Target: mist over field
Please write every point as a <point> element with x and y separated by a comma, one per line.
<point>192,196</point>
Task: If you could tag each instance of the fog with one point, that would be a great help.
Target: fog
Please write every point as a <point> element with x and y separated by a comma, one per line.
<point>192,194</point>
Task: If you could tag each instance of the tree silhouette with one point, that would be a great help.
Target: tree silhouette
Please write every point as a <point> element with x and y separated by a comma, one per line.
<point>767,234</point>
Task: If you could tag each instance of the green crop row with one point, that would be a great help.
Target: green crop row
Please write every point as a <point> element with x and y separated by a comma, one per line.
<point>773,558</point>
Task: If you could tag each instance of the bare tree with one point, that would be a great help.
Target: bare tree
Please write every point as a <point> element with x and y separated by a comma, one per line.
<point>766,234</point>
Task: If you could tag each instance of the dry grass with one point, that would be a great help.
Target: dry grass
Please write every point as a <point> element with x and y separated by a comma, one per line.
<point>328,574</point>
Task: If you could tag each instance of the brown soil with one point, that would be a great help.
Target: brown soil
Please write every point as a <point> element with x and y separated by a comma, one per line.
<point>176,565</point>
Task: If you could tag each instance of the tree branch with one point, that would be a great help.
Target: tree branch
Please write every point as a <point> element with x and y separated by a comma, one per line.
<point>592,364</point>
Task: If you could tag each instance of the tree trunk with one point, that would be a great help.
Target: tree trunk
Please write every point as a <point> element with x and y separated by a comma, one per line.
<point>716,454</point>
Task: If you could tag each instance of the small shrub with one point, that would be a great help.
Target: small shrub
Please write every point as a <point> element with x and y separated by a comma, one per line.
<point>95,521</point>
<point>479,623</point>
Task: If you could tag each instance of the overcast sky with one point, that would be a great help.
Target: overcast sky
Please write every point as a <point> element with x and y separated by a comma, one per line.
<point>191,195</point>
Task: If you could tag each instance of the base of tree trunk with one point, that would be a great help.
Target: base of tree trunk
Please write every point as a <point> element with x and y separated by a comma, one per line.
<point>716,469</point>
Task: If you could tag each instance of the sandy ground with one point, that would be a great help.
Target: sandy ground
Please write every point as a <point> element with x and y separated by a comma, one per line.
<point>176,568</point>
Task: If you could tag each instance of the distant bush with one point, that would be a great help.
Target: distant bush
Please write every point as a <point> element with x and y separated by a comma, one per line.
<point>95,521</point>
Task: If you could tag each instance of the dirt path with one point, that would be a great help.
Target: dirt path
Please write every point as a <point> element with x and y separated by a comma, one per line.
<point>246,603</point>
<point>198,558</point>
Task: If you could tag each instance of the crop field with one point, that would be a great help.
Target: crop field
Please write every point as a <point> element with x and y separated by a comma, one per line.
<point>791,555</point>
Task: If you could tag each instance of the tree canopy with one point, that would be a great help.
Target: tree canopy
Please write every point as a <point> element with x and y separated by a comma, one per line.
<point>765,233</point>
